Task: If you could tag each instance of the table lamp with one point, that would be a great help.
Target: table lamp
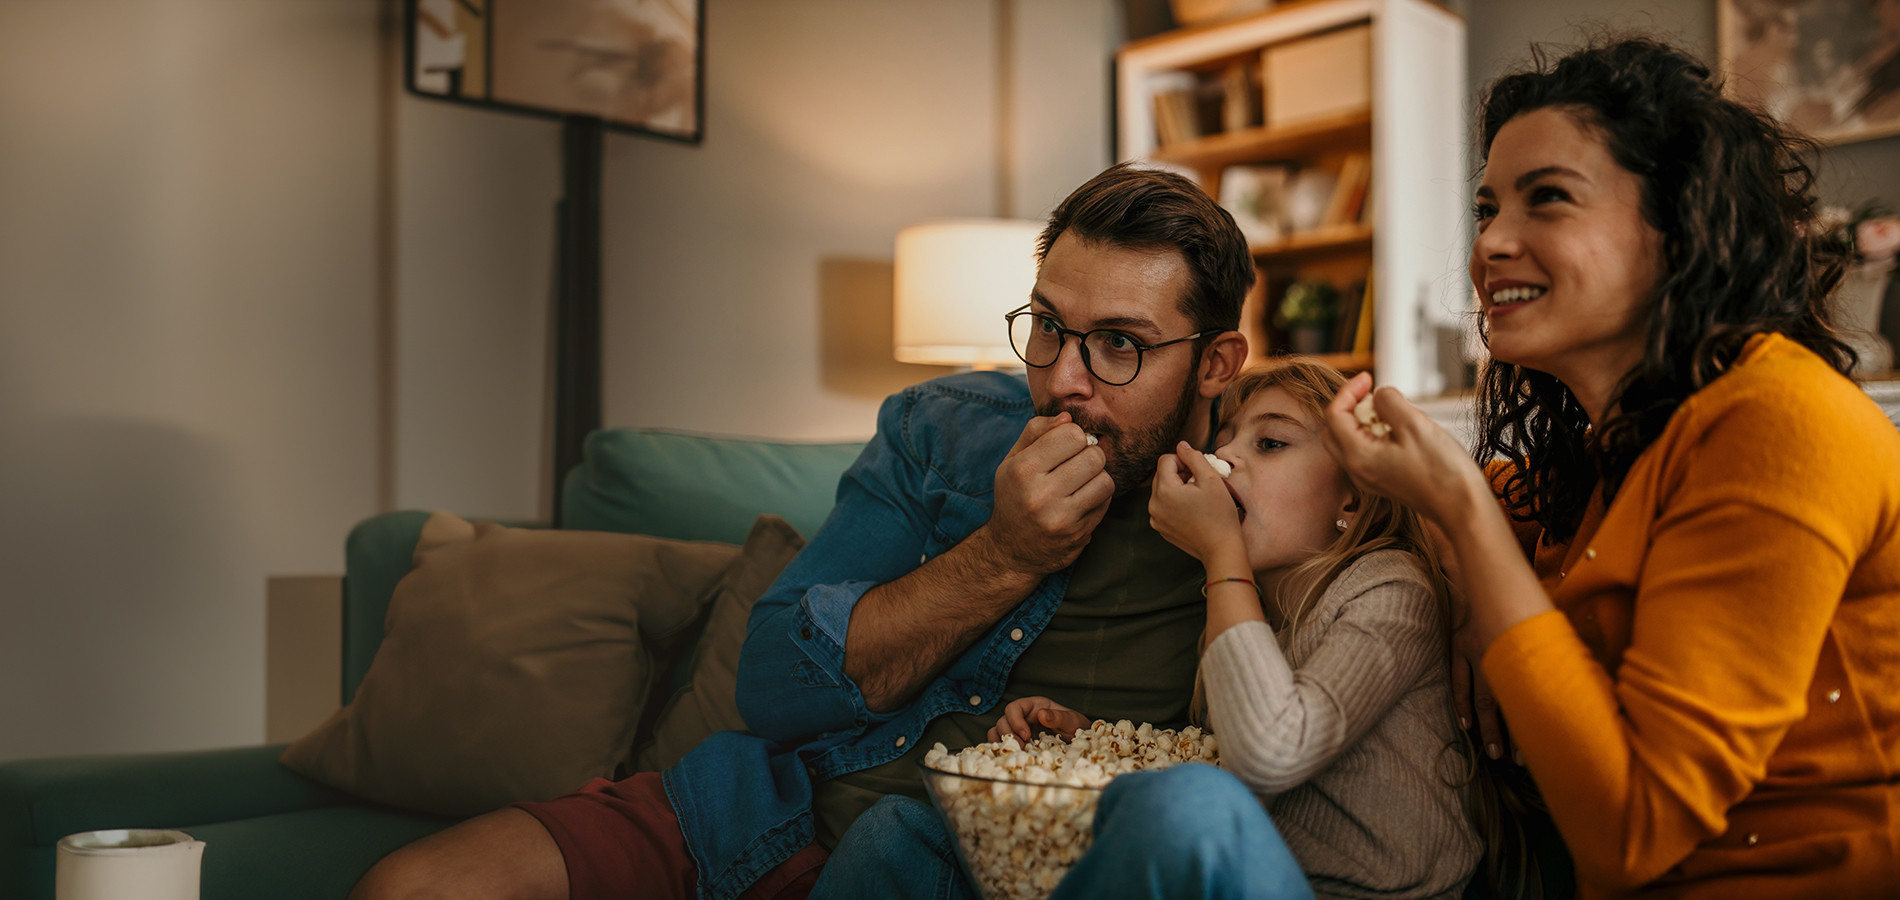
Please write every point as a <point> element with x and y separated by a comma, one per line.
<point>955,280</point>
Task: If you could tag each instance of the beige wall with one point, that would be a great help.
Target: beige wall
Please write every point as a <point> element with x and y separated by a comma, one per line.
<point>193,309</point>
<point>187,351</point>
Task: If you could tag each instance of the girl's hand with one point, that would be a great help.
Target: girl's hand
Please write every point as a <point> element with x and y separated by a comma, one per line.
<point>1418,463</point>
<point>1201,517</point>
<point>1021,716</point>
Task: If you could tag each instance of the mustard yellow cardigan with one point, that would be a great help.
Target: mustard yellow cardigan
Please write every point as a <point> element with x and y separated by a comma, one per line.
<point>1713,709</point>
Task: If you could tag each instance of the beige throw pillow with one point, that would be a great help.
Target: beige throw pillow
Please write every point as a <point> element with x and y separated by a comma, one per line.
<point>706,703</point>
<point>512,667</point>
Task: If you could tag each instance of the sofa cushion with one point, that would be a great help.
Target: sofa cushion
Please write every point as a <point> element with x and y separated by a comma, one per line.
<point>514,665</point>
<point>706,703</point>
<point>700,487</point>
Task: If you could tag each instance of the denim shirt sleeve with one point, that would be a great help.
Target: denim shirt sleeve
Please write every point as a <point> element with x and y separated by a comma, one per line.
<point>791,682</point>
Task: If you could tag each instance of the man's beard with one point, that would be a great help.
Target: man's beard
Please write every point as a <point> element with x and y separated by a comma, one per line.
<point>1132,452</point>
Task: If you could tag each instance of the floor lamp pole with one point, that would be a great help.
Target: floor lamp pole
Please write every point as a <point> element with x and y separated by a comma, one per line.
<point>576,327</point>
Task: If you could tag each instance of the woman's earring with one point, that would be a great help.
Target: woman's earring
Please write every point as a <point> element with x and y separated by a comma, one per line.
<point>1339,524</point>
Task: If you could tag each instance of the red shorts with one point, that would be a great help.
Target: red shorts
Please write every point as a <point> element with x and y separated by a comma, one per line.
<point>622,839</point>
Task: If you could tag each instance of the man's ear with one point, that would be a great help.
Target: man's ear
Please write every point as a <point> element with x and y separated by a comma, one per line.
<point>1221,362</point>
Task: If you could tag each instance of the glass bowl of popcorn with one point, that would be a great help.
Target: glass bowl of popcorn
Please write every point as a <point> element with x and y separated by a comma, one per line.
<point>1022,814</point>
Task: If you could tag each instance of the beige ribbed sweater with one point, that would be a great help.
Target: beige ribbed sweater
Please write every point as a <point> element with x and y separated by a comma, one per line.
<point>1352,752</point>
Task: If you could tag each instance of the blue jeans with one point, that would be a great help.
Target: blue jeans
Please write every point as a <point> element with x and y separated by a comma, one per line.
<point>1189,831</point>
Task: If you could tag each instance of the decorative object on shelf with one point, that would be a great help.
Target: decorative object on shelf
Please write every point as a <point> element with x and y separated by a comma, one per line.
<point>1871,234</point>
<point>1825,67</point>
<point>1256,197</point>
<point>1324,75</point>
<point>1205,12</point>
<point>1307,311</point>
<point>1307,198</point>
<point>955,280</point>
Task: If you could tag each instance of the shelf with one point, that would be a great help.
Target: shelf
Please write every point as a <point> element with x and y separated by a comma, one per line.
<point>1333,239</point>
<point>1253,145</point>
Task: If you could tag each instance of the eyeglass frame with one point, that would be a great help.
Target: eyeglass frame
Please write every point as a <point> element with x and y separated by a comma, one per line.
<point>1082,343</point>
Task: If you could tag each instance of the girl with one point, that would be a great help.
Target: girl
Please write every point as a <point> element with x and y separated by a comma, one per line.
<point>1324,664</point>
<point>1688,603</point>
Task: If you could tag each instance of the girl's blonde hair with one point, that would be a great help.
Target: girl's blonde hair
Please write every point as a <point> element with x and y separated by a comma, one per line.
<point>1503,806</point>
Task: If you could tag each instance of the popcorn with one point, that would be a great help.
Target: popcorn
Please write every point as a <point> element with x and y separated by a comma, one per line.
<point>1094,439</point>
<point>1222,466</point>
<point>1370,419</point>
<point>1019,833</point>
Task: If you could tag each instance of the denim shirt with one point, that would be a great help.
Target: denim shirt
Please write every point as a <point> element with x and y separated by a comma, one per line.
<point>923,484</point>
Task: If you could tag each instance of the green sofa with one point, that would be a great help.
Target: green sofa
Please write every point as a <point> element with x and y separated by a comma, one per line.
<point>269,832</point>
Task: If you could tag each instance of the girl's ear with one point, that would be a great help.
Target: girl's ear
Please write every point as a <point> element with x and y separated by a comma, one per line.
<point>1221,362</point>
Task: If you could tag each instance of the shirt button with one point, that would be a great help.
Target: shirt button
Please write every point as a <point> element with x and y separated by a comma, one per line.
<point>976,700</point>
<point>901,739</point>
<point>1753,838</point>
<point>1589,553</point>
<point>1834,696</point>
<point>804,634</point>
<point>1015,634</point>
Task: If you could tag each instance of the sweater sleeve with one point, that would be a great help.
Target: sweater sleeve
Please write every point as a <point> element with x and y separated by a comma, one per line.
<point>1752,539</point>
<point>1279,726</point>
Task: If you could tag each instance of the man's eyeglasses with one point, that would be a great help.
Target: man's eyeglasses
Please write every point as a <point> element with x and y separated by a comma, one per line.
<point>1113,357</point>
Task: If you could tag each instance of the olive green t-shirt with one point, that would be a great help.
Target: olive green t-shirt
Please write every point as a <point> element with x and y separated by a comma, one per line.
<point>1122,645</point>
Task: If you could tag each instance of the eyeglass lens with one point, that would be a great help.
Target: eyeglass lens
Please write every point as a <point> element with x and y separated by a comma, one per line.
<point>1112,356</point>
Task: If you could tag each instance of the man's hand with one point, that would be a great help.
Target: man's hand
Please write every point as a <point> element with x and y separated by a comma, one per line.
<point>1024,717</point>
<point>1051,491</point>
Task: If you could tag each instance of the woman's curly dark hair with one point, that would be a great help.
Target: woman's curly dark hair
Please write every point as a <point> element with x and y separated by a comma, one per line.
<point>1728,190</point>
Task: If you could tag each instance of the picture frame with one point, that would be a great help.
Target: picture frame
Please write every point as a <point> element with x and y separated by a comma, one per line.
<point>637,65</point>
<point>1828,68</point>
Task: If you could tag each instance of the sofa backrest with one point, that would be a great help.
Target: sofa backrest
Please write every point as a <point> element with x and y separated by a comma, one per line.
<point>630,480</point>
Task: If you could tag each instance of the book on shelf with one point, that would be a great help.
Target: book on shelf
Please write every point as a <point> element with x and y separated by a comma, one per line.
<point>1240,96</point>
<point>1349,191</point>
<point>1177,107</point>
<point>1362,329</point>
<point>1346,324</point>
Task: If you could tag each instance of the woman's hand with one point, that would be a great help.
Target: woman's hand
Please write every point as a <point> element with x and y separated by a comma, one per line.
<point>1023,716</point>
<point>1198,517</point>
<point>1417,463</point>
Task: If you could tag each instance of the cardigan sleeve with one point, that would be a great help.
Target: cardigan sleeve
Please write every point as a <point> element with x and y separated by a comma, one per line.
<point>1279,726</point>
<point>1756,525</point>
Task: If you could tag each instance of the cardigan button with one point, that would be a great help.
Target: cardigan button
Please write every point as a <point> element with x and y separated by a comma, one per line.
<point>1753,838</point>
<point>1834,696</point>
<point>1015,634</point>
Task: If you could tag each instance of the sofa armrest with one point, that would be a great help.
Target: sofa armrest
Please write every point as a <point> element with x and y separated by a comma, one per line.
<point>43,800</point>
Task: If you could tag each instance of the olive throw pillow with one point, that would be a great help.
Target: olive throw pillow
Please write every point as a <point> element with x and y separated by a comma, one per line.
<point>514,665</point>
<point>706,703</point>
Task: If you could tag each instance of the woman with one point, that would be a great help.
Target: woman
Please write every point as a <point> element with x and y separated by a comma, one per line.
<point>1688,599</point>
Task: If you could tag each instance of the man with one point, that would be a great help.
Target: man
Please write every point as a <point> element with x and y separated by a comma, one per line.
<point>988,544</point>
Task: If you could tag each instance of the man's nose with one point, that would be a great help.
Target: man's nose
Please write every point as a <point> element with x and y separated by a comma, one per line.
<point>1069,374</point>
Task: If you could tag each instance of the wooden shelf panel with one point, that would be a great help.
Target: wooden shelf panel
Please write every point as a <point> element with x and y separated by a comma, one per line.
<point>1253,145</point>
<point>1332,239</point>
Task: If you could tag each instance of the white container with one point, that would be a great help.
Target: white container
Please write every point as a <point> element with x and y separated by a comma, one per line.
<point>127,864</point>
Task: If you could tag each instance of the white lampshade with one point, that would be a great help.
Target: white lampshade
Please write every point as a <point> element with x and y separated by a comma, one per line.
<point>955,280</point>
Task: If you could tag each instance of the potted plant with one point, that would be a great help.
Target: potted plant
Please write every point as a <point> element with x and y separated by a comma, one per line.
<point>1307,311</point>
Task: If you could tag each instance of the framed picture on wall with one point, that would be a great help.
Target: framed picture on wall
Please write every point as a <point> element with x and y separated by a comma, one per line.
<point>1830,68</point>
<point>635,64</point>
